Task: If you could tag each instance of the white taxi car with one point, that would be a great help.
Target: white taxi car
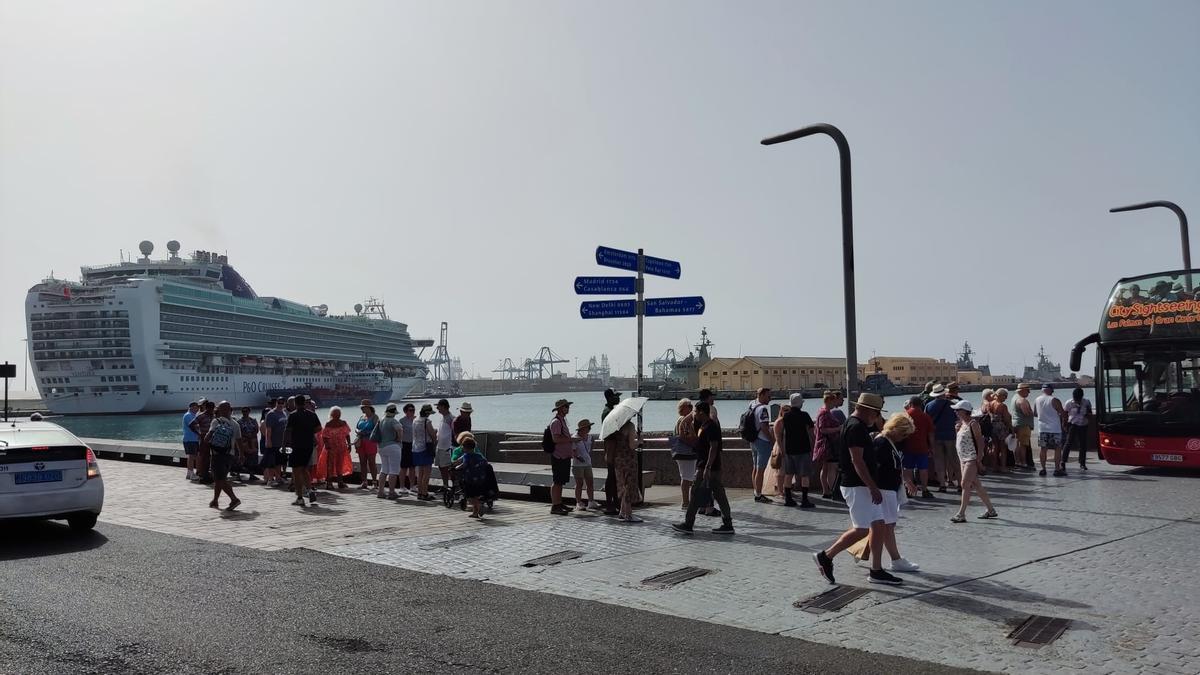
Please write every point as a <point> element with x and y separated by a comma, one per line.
<point>48,473</point>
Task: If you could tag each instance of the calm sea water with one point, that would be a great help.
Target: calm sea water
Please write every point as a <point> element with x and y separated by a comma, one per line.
<point>515,412</point>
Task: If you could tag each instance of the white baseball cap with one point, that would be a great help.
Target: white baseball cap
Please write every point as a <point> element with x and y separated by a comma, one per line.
<point>962,405</point>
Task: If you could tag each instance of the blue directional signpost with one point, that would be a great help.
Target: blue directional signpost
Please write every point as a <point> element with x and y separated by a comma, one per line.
<point>605,286</point>
<point>641,307</point>
<point>608,309</point>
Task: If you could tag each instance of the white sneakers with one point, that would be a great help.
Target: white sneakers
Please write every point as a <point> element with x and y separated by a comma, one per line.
<point>191,475</point>
<point>903,565</point>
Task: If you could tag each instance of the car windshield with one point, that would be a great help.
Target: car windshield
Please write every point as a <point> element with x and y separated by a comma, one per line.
<point>18,436</point>
<point>1147,387</point>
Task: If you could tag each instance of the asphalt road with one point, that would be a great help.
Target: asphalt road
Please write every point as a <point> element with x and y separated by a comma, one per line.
<point>133,601</point>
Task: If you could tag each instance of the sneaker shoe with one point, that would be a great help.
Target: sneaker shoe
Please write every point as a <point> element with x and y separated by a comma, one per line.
<point>595,506</point>
<point>958,519</point>
<point>1059,473</point>
<point>903,565</point>
<point>988,515</point>
<point>805,504</point>
<point>825,565</point>
<point>1042,472</point>
<point>791,502</point>
<point>725,528</point>
<point>581,507</point>
<point>682,527</point>
<point>634,519</point>
<point>191,475</point>
<point>763,499</point>
<point>882,577</point>
<point>559,510</point>
<point>926,494</point>
<point>299,501</point>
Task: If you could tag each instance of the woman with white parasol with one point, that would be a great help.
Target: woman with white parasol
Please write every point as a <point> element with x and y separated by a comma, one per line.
<point>620,446</point>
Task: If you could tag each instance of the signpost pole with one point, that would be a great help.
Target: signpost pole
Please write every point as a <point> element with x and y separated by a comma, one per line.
<point>641,313</point>
<point>6,368</point>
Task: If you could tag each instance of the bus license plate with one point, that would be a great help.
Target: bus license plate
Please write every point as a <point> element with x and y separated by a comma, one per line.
<point>1166,458</point>
<point>24,477</point>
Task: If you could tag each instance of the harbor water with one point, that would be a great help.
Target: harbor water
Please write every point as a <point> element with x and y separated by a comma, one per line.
<point>514,412</point>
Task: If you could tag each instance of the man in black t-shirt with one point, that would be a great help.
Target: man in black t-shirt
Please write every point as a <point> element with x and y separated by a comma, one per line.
<point>863,496</point>
<point>798,440</point>
<point>301,436</point>
<point>708,473</point>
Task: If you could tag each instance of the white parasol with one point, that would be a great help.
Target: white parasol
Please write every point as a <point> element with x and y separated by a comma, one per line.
<point>622,413</point>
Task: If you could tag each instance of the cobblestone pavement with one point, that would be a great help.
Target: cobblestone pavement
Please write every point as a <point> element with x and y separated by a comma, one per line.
<point>1108,549</point>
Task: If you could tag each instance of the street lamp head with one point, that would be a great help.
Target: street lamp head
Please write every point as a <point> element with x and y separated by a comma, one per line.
<point>801,133</point>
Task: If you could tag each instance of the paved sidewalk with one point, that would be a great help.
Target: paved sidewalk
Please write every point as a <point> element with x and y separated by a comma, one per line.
<point>1107,549</point>
<point>155,497</point>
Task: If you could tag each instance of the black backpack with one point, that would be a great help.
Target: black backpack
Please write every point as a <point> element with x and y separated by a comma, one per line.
<point>547,440</point>
<point>749,425</point>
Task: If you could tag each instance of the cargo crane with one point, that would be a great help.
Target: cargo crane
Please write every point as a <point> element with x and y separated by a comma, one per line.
<point>508,370</point>
<point>660,368</point>
<point>596,370</point>
<point>439,365</point>
<point>536,368</point>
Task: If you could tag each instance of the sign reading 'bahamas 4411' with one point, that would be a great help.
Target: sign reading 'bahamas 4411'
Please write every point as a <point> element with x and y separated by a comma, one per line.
<point>1157,306</point>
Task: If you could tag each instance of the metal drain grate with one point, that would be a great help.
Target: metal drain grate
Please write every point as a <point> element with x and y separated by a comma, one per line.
<point>1039,630</point>
<point>674,577</point>
<point>831,600</point>
<point>450,543</point>
<point>552,559</point>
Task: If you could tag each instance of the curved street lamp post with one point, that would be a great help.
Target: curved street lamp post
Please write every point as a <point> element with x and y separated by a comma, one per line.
<point>847,240</point>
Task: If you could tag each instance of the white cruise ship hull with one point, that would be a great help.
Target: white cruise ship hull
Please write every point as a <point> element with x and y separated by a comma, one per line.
<point>122,343</point>
<point>240,393</point>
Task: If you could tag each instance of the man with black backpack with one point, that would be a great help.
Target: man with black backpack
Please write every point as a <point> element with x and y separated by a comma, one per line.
<point>756,430</point>
<point>558,441</point>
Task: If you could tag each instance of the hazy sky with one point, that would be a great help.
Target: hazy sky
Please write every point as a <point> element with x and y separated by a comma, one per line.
<point>464,159</point>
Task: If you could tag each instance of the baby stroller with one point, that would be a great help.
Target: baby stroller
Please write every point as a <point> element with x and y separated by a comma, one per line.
<point>473,477</point>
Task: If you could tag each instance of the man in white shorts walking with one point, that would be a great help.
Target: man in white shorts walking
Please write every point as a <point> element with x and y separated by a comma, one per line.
<point>863,496</point>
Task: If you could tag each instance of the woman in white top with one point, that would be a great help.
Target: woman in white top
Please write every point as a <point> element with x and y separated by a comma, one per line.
<point>968,442</point>
<point>1079,415</point>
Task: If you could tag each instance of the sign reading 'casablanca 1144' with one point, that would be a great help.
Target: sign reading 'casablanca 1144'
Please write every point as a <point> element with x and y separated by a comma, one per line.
<point>605,285</point>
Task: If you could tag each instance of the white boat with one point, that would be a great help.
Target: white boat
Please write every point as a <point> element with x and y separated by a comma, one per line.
<point>153,334</point>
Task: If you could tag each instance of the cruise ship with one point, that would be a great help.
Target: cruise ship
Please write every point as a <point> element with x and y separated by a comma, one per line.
<point>150,335</point>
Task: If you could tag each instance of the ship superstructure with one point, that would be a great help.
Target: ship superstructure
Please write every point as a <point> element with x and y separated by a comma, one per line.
<point>150,335</point>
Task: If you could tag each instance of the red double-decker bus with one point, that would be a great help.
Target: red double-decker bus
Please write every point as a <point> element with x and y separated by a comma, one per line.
<point>1148,371</point>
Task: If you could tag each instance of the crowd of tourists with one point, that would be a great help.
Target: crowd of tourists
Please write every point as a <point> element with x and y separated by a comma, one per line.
<point>940,440</point>
<point>396,452</point>
<point>872,462</point>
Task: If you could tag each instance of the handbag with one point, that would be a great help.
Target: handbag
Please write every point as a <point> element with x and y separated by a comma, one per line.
<point>776,458</point>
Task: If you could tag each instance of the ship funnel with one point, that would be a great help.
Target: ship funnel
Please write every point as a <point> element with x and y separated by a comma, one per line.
<point>146,247</point>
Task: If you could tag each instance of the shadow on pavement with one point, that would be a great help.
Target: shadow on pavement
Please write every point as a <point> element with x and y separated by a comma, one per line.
<point>239,515</point>
<point>1048,527</point>
<point>35,539</point>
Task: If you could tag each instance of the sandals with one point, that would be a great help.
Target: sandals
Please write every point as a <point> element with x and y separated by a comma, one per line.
<point>959,519</point>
